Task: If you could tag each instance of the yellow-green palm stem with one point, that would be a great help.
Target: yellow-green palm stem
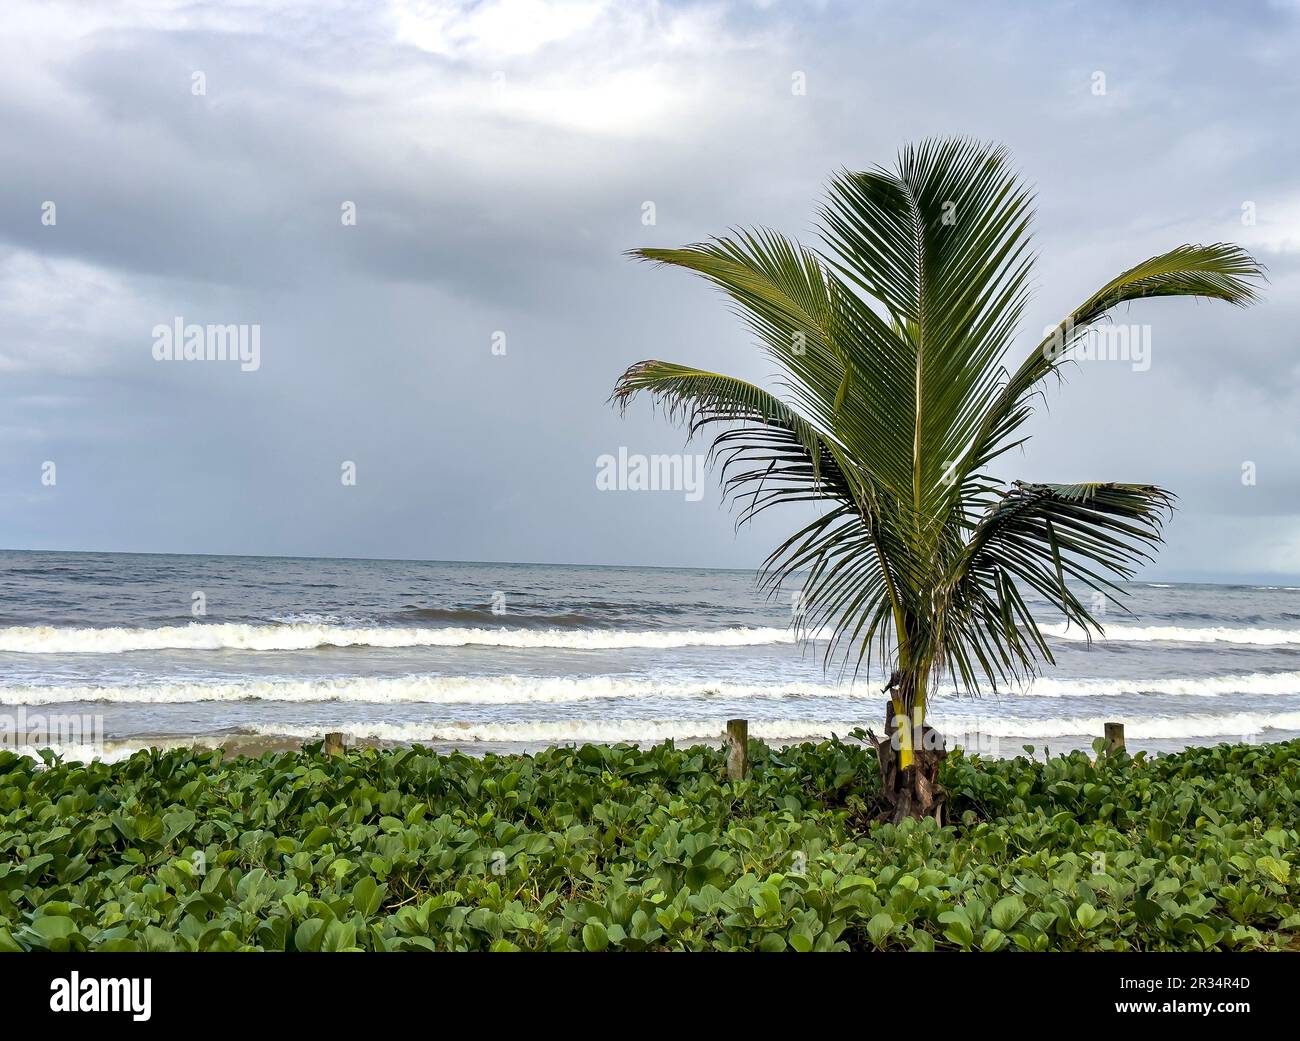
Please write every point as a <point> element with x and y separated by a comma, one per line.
<point>909,722</point>
<point>904,733</point>
<point>918,707</point>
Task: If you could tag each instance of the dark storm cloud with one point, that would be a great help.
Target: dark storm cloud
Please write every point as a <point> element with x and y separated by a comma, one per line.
<point>500,156</point>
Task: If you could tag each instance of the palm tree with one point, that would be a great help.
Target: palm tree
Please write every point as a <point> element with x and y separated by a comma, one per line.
<point>893,404</point>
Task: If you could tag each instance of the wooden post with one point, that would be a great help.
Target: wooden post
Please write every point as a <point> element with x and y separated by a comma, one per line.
<point>334,743</point>
<point>1114,738</point>
<point>737,749</point>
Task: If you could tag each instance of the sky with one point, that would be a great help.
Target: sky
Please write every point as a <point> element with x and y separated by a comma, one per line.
<point>421,209</point>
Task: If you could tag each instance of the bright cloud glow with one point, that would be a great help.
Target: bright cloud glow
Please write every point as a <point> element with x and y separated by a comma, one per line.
<point>495,29</point>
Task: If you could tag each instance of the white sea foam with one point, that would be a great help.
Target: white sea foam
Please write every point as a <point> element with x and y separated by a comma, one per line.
<point>984,734</point>
<point>508,690</point>
<point>1229,726</point>
<point>300,636</point>
<point>1192,687</point>
<point>1179,634</point>
<point>1232,726</point>
<point>110,752</point>
<point>437,690</point>
<point>647,731</point>
<point>304,635</point>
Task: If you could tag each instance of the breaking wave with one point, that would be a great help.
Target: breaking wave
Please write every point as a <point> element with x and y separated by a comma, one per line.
<point>434,690</point>
<point>302,636</point>
<point>506,690</point>
<point>1179,634</point>
<point>1229,726</point>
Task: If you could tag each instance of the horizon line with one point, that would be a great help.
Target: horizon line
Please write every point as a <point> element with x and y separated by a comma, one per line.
<point>1280,578</point>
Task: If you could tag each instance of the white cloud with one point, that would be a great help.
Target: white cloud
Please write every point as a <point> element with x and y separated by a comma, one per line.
<point>495,29</point>
<point>588,66</point>
<point>54,313</point>
<point>1276,228</point>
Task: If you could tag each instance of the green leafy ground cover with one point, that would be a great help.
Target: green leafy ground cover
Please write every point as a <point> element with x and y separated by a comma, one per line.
<point>617,848</point>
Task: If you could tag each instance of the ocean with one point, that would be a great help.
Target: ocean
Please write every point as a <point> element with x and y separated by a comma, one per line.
<point>102,654</point>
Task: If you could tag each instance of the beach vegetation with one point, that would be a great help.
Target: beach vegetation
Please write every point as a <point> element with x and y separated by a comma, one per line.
<point>618,848</point>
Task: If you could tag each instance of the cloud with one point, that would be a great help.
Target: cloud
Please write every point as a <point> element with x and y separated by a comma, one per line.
<point>492,30</point>
<point>500,156</point>
<point>54,313</point>
<point>1270,226</point>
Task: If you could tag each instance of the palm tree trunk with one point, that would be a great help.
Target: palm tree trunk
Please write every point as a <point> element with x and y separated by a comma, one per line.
<point>909,756</point>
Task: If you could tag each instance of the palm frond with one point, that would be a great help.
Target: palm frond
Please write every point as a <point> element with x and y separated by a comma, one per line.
<point>767,446</point>
<point>1043,537</point>
<point>1220,271</point>
<point>942,244</point>
<point>892,404</point>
